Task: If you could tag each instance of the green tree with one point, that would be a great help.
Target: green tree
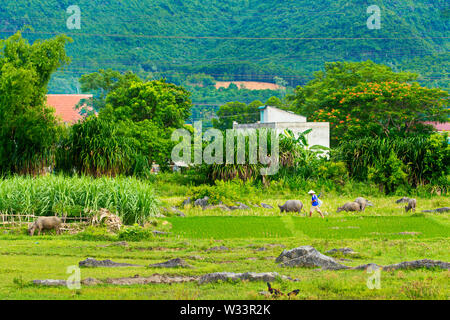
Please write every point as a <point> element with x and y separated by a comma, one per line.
<point>165,104</point>
<point>388,173</point>
<point>149,140</point>
<point>282,84</point>
<point>148,112</point>
<point>426,157</point>
<point>274,102</point>
<point>28,127</point>
<point>100,84</point>
<point>340,76</point>
<point>200,80</point>
<point>236,111</point>
<point>382,109</point>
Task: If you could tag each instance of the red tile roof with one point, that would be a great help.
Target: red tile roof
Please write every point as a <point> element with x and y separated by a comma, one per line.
<point>445,126</point>
<point>65,104</point>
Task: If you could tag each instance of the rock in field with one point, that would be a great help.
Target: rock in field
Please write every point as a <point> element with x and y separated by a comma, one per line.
<point>201,202</point>
<point>156,278</point>
<point>249,276</point>
<point>177,212</point>
<point>307,256</point>
<point>220,248</point>
<point>418,264</point>
<point>90,262</point>
<point>172,210</point>
<point>266,206</point>
<point>90,282</point>
<point>372,266</point>
<point>174,263</point>
<point>160,233</point>
<point>186,202</point>
<point>439,210</point>
<point>219,206</point>
<point>344,251</point>
<point>239,206</point>
<point>50,283</point>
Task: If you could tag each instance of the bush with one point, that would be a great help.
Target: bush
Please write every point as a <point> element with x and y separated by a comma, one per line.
<point>204,191</point>
<point>227,192</point>
<point>97,147</point>
<point>135,233</point>
<point>426,158</point>
<point>334,171</point>
<point>92,233</point>
<point>388,174</point>
<point>436,187</point>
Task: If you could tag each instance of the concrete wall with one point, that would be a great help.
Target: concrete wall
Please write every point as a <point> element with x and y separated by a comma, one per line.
<point>320,134</point>
<point>271,114</point>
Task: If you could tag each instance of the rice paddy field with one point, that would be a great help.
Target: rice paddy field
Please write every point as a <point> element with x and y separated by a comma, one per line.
<point>240,241</point>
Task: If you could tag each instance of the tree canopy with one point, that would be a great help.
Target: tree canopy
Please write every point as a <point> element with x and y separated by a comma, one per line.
<point>361,99</point>
<point>28,127</point>
<point>175,39</point>
<point>338,76</point>
<point>382,109</point>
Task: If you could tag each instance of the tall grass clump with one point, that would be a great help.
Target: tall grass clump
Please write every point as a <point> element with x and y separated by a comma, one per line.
<point>132,199</point>
<point>424,159</point>
<point>295,156</point>
<point>97,147</point>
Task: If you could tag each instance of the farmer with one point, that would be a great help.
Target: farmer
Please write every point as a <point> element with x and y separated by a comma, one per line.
<point>315,204</point>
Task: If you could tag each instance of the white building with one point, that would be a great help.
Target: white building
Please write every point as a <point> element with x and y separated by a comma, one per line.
<point>280,120</point>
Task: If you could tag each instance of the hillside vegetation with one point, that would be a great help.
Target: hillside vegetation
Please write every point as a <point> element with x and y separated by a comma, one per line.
<point>237,39</point>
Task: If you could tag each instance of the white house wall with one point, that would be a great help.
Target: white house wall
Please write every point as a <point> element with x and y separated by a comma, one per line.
<point>320,134</point>
<point>277,115</point>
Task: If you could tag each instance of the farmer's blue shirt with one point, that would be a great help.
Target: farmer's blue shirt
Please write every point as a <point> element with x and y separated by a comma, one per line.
<point>315,200</point>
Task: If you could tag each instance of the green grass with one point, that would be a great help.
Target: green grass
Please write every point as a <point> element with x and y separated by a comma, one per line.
<point>329,228</point>
<point>230,227</point>
<point>374,234</point>
<point>372,227</point>
<point>25,260</point>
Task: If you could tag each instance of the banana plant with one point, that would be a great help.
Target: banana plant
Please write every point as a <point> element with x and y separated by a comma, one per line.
<point>295,150</point>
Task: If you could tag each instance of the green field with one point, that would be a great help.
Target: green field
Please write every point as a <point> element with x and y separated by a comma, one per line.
<point>383,234</point>
<point>388,239</point>
<point>332,228</point>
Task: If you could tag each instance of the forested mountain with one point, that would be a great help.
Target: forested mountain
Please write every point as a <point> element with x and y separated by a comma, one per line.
<point>238,39</point>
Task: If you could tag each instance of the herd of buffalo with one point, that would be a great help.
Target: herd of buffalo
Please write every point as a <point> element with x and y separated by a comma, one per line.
<point>359,204</point>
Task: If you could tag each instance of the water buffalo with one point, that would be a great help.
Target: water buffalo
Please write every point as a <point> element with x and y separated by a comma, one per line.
<point>291,206</point>
<point>350,206</point>
<point>363,203</point>
<point>45,223</point>
<point>411,203</point>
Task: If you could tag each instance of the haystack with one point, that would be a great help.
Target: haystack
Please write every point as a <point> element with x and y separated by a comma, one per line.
<point>105,217</point>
